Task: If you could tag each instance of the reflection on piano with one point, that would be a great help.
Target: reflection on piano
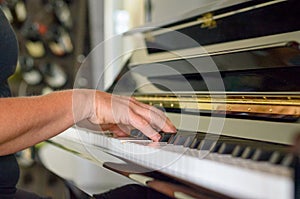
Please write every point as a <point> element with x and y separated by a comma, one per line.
<point>229,80</point>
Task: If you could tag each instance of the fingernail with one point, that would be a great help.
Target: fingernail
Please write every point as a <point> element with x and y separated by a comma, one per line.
<point>156,138</point>
<point>173,129</point>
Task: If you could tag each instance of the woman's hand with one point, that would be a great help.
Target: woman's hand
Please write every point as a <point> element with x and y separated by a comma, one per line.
<point>45,116</point>
<point>120,114</point>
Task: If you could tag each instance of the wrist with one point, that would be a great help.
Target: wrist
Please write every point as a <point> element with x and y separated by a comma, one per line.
<point>83,105</point>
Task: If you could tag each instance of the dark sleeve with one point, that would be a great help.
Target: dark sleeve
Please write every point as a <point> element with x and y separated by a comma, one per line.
<point>9,170</point>
<point>8,49</point>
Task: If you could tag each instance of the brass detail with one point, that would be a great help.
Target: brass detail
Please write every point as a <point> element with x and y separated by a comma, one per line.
<point>273,104</point>
<point>149,37</point>
<point>208,21</point>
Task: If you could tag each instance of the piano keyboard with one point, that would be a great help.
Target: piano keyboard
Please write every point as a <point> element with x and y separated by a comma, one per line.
<point>225,166</point>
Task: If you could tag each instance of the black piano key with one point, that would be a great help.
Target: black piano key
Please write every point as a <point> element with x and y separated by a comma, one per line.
<point>138,134</point>
<point>203,145</point>
<point>261,155</point>
<point>210,145</point>
<point>275,158</point>
<point>184,140</point>
<point>195,143</point>
<point>226,148</point>
<point>288,160</point>
<point>215,146</point>
<point>238,151</point>
<point>247,153</point>
<point>165,137</point>
<point>135,132</point>
<point>188,141</point>
<point>179,140</point>
<point>172,139</point>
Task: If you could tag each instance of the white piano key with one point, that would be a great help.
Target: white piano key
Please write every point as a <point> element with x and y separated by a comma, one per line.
<point>236,177</point>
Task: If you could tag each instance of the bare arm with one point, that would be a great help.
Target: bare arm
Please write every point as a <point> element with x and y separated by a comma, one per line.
<point>30,120</point>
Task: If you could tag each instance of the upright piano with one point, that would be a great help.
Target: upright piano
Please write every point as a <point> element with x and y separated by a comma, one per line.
<point>228,76</point>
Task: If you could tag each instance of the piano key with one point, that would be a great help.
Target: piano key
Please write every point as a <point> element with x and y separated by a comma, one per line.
<point>288,160</point>
<point>215,146</point>
<point>184,140</point>
<point>195,143</point>
<point>188,141</point>
<point>275,158</point>
<point>172,138</point>
<point>203,145</point>
<point>210,145</point>
<point>179,140</point>
<point>165,136</point>
<point>197,139</point>
<point>249,164</point>
<point>138,134</point>
<point>237,151</point>
<point>179,161</point>
<point>133,139</point>
<point>247,153</point>
<point>226,148</point>
<point>261,155</point>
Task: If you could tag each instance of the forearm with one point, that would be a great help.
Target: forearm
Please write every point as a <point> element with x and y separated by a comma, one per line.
<point>27,121</point>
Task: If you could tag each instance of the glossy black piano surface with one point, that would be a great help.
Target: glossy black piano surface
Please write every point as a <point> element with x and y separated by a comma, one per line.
<point>243,21</point>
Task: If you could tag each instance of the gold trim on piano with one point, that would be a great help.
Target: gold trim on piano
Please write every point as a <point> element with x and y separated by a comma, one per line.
<point>278,105</point>
<point>214,17</point>
<point>208,21</point>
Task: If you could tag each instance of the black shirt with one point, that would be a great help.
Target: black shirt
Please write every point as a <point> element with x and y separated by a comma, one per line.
<point>9,169</point>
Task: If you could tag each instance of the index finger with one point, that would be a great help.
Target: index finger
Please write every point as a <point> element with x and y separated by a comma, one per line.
<point>144,126</point>
<point>156,117</point>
